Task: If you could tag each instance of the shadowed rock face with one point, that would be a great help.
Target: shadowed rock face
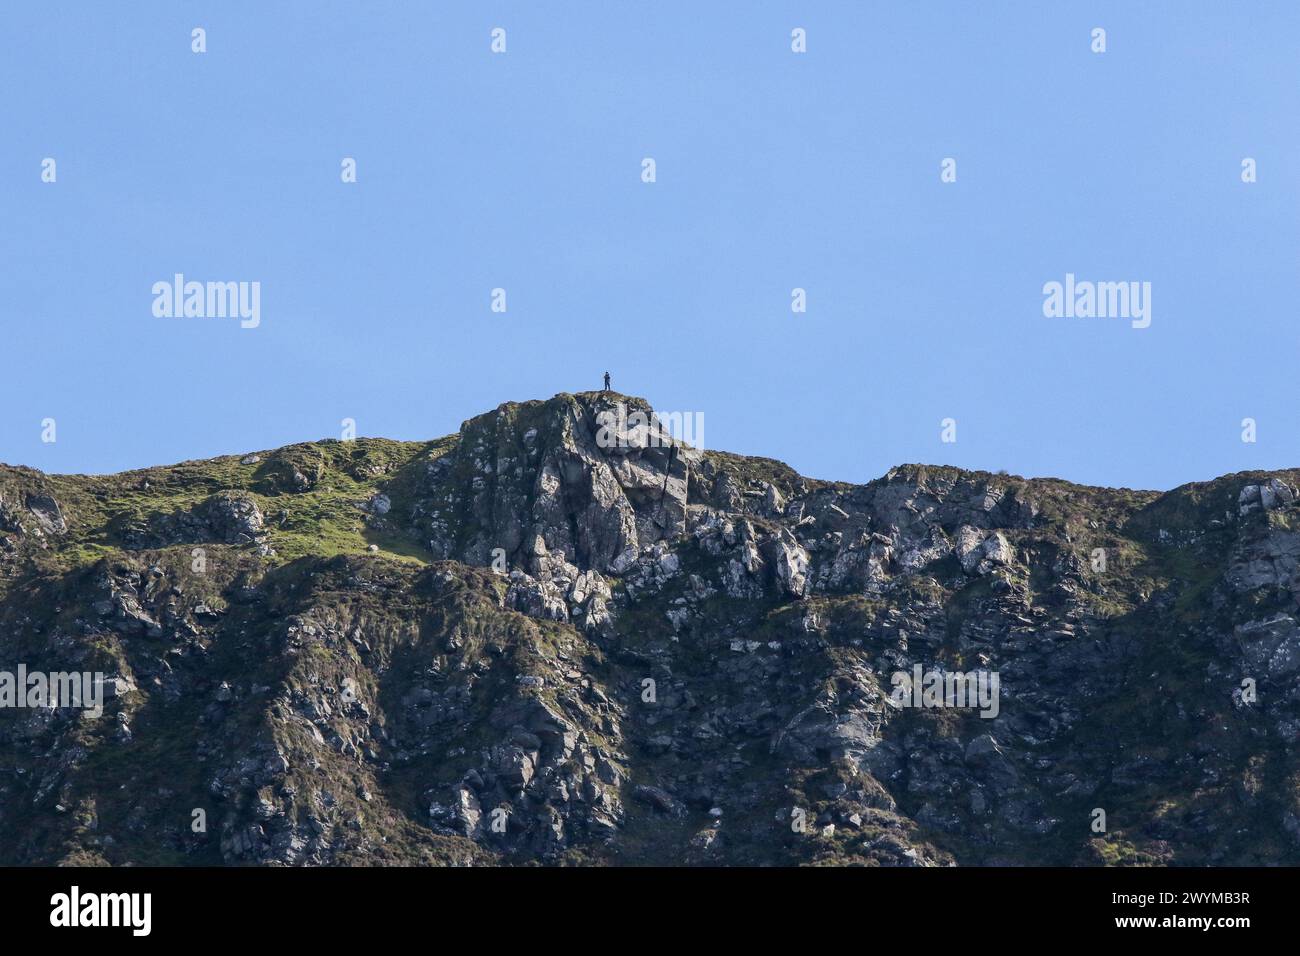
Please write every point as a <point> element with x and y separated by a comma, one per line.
<point>560,636</point>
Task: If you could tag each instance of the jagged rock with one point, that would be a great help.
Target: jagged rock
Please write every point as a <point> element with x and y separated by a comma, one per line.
<point>1273,494</point>
<point>1270,560</point>
<point>535,598</point>
<point>234,518</point>
<point>660,799</point>
<point>597,493</point>
<point>615,638</point>
<point>933,547</point>
<point>48,514</point>
<point>790,563</point>
<point>1270,648</point>
<point>982,555</point>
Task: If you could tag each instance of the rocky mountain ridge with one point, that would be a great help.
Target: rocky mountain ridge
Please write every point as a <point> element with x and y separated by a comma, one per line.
<point>561,638</point>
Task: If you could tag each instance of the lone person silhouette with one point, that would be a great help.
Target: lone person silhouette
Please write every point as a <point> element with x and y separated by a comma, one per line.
<point>607,381</point>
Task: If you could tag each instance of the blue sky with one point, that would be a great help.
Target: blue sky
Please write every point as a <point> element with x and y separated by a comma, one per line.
<point>775,170</point>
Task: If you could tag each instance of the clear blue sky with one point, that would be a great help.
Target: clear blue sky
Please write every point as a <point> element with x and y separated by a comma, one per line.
<point>775,170</point>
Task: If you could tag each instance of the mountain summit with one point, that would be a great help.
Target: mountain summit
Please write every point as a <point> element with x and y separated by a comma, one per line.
<point>563,636</point>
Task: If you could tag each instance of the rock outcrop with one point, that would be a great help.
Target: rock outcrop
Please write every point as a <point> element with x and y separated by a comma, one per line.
<point>561,636</point>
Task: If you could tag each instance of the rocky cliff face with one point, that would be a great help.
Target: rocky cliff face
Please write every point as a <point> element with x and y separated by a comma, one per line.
<point>559,637</point>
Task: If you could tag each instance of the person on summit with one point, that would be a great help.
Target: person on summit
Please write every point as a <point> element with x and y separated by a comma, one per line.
<point>607,381</point>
